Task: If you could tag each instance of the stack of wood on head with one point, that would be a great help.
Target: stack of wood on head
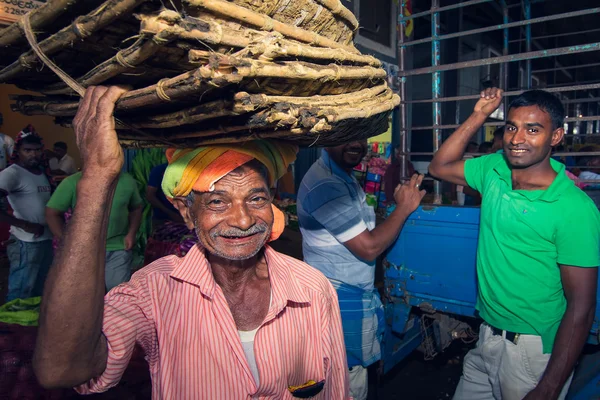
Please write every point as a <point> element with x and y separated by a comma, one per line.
<point>202,71</point>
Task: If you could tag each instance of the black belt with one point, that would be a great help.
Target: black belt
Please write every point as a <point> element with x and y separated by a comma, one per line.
<point>510,336</point>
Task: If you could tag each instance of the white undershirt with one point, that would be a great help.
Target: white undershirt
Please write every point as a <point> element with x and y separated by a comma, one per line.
<point>247,338</point>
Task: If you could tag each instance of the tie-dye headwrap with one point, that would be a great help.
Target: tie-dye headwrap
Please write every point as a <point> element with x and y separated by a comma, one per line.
<point>200,168</point>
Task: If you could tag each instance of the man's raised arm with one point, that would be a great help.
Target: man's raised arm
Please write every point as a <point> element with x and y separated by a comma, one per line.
<point>71,348</point>
<point>447,163</point>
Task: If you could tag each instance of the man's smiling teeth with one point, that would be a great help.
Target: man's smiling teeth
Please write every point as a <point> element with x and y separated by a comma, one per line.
<point>518,151</point>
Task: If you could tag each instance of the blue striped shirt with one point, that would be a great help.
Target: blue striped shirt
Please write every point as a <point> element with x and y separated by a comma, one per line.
<point>332,209</point>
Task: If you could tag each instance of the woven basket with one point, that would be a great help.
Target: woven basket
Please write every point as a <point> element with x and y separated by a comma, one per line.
<point>204,71</point>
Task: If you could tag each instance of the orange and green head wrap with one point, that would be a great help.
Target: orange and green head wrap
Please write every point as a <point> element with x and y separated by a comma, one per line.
<point>200,168</point>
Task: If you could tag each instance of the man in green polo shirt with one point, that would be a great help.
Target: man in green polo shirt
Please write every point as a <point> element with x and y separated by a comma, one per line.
<point>537,256</point>
<point>124,221</point>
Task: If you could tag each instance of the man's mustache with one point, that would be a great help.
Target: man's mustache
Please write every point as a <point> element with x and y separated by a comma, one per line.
<point>235,232</point>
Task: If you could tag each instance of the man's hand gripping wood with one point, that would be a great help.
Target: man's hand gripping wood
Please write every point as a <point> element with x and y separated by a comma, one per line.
<point>71,348</point>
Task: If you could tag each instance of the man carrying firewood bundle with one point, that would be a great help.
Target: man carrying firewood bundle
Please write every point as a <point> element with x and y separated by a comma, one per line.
<point>233,319</point>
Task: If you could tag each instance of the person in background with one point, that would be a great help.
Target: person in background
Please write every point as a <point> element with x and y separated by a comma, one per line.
<point>233,319</point>
<point>569,161</point>
<point>473,147</point>
<point>589,166</point>
<point>7,145</point>
<point>162,208</point>
<point>498,140</point>
<point>486,148</point>
<point>464,194</point>
<point>123,223</point>
<point>392,177</point>
<point>28,188</point>
<point>537,257</point>
<point>61,163</point>
<point>339,238</point>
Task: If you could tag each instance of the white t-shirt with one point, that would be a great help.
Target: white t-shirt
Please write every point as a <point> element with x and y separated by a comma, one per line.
<point>7,145</point>
<point>247,338</point>
<point>589,176</point>
<point>28,194</point>
<point>65,164</point>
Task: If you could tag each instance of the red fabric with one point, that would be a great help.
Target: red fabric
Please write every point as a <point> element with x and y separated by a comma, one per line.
<point>156,249</point>
<point>17,380</point>
<point>5,228</point>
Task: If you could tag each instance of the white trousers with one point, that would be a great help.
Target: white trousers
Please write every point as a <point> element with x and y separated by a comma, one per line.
<point>359,382</point>
<point>498,369</point>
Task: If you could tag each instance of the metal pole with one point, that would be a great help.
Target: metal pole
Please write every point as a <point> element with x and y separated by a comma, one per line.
<point>512,93</point>
<point>557,35</point>
<point>436,91</point>
<point>499,123</point>
<point>527,6</point>
<point>446,8</point>
<point>578,82</point>
<point>582,48</point>
<point>403,116</point>
<point>597,122</point>
<point>577,129</point>
<point>587,100</point>
<point>565,67</point>
<point>574,154</point>
<point>589,125</point>
<point>460,28</point>
<point>547,18</point>
<point>505,53</point>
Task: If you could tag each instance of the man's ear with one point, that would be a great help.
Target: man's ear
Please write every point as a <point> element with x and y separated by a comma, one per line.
<point>557,136</point>
<point>181,204</point>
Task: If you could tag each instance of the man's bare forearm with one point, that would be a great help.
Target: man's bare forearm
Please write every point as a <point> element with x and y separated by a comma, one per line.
<point>135,220</point>
<point>570,339</point>
<point>453,148</point>
<point>386,233</point>
<point>70,347</point>
<point>13,221</point>
<point>56,222</point>
<point>156,203</point>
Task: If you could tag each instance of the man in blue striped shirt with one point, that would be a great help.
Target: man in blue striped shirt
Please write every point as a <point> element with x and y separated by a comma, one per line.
<point>340,239</point>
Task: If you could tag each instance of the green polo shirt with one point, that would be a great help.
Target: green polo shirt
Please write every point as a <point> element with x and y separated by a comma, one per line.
<point>126,198</point>
<point>523,237</point>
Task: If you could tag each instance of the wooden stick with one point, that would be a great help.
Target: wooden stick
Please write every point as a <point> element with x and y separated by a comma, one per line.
<point>81,28</point>
<point>272,47</point>
<point>39,17</point>
<point>336,8</point>
<point>366,110</point>
<point>265,22</point>
<point>203,112</point>
<point>305,71</point>
<point>208,77</point>
<point>201,30</point>
<point>66,78</point>
<point>245,102</point>
<point>139,144</point>
<point>125,60</point>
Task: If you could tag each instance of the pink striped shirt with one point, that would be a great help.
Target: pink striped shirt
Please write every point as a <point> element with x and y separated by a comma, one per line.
<point>175,310</point>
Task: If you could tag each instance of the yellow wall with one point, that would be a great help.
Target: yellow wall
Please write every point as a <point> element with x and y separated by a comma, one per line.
<point>44,125</point>
<point>384,137</point>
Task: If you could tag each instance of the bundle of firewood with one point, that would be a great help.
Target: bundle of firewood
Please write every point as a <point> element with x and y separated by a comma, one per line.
<point>202,71</point>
